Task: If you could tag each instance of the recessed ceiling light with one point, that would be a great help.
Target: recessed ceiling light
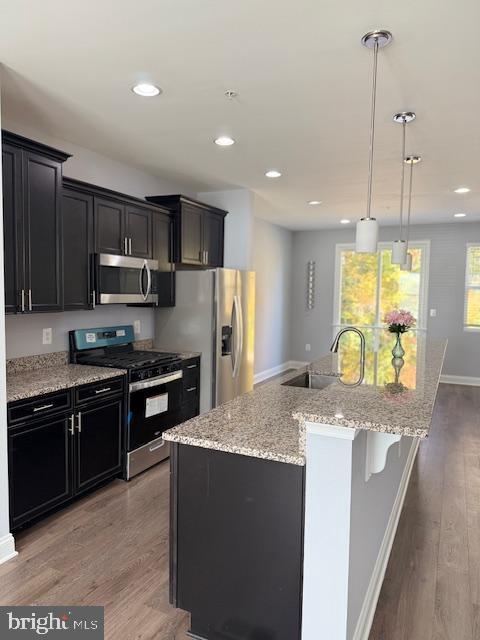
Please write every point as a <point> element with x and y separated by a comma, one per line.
<point>462,190</point>
<point>314,202</point>
<point>459,215</point>
<point>344,221</point>
<point>273,173</point>
<point>146,90</point>
<point>224,141</point>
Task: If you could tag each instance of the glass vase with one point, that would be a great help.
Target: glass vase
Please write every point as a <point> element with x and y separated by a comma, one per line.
<point>398,351</point>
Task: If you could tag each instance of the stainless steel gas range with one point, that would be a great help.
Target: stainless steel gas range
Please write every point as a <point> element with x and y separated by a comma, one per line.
<point>154,389</point>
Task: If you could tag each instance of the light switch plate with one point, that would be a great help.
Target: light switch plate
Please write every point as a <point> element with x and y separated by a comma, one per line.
<point>137,327</point>
<point>307,347</point>
<point>47,336</point>
<point>433,313</point>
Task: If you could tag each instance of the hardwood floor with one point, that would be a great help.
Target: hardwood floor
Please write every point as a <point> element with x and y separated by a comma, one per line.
<point>432,584</point>
<point>111,548</point>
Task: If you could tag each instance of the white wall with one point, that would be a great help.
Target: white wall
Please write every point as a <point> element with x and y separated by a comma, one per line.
<point>238,224</point>
<point>272,262</point>
<point>445,290</point>
<point>24,333</point>
<point>7,544</point>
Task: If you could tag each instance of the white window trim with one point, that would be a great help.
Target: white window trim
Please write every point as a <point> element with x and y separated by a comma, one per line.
<point>469,327</point>
<point>424,280</point>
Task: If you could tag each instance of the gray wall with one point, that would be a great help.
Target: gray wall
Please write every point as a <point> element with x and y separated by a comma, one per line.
<point>24,333</point>
<point>445,291</point>
<point>272,262</point>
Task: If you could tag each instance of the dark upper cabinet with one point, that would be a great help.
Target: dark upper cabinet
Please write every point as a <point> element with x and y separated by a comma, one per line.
<point>162,251</point>
<point>77,231</point>
<point>110,234</point>
<point>198,231</point>
<point>32,217</point>
<point>39,454</point>
<point>12,226</point>
<point>99,443</point>
<point>138,226</point>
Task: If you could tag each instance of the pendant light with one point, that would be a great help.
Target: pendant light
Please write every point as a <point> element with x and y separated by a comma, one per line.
<point>399,247</point>
<point>367,228</point>
<point>410,160</point>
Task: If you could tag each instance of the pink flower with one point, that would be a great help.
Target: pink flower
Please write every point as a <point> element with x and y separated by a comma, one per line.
<point>399,318</point>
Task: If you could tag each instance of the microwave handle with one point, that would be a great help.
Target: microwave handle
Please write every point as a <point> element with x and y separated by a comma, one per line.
<point>149,280</point>
<point>140,280</point>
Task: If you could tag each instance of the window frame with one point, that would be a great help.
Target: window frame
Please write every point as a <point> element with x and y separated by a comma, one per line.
<point>469,327</point>
<point>424,245</point>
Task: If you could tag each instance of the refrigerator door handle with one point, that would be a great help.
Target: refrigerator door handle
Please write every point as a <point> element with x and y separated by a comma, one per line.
<point>237,308</point>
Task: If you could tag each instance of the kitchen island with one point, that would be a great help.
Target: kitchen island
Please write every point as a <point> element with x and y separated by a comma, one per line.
<point>285,501</point>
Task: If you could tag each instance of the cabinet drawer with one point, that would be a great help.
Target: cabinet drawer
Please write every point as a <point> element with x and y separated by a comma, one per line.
<point>191,373</point>
<point>104,388</point>
<point>190,410</point>
<point>39,406</point>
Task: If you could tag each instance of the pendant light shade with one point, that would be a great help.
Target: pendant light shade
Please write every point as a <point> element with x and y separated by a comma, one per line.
<point>407,265</point>
<point>399,251</point>
<point>366,238</point>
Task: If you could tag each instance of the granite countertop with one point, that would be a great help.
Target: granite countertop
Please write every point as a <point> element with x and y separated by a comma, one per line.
<point>270,421</point>
<point>37,382</point>
<point>147,345</point>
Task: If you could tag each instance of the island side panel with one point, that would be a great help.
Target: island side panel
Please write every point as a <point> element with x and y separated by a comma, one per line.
<point>237,544</point>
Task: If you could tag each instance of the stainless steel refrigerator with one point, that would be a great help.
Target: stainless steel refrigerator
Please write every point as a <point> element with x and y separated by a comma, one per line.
<point>215,315</point>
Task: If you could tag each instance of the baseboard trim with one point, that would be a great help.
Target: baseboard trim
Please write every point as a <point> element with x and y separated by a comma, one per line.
<point>466,380</point>
<point>7,548</point>
<point>274,371</point>
<point>365,619</point>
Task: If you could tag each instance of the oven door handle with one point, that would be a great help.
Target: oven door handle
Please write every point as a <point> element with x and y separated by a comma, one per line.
<point>155,382</point>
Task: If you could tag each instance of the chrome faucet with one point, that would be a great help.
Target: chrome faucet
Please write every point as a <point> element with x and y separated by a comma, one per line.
<point>334,349</point>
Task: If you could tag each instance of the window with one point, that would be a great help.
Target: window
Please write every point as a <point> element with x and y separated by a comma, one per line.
<point>472,288</point>
<point>366,287</point>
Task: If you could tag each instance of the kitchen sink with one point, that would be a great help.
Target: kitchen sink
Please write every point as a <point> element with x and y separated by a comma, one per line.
<point>309,380</point>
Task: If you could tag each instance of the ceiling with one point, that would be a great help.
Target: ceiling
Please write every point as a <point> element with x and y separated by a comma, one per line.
<point>303,82</point>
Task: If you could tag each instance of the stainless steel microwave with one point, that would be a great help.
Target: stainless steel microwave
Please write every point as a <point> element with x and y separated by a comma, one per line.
<point>125,280</point>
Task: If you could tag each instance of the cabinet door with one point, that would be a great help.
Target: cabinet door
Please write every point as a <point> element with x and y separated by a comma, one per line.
<point>99,443</point>
<point>109,226</point>
<point>213,239</point>
<point>191,235</point>
<point>139,231</point>
<point>39,467</point>
<point>162,251</point>
<point>77,225</point>
<point>12,227</point>
<point>42,215</point>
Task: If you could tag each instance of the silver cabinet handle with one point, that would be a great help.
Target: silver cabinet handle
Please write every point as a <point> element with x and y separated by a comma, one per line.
<point>191,366</point>
<point>71,428</point>
<point>104,390</point>
<point>43,407</point>
<point>79,422</point>
<point>156,446</point>
<point>93,299</point>
<point>125,245</point>
<point>23,299</point>
<point>29,299</point>
<point>191,389</point>
<point>206,257</point>
<point>129,246</point>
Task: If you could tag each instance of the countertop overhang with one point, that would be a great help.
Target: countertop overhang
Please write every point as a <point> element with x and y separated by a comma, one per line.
<point>271,421</point>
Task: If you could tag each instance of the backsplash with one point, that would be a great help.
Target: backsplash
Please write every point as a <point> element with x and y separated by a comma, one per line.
<point>24,332</point>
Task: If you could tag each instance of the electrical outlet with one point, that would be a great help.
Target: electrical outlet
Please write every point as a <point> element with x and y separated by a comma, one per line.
<point>47,336</point>
<point>307,347</point>
<point>433,313</point>
<point>137,327</point>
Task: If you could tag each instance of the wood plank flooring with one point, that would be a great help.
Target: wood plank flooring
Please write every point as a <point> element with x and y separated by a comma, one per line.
<point>111,548</point>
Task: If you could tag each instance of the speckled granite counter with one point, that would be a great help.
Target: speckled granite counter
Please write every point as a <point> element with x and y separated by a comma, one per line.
<point>269,422</point>
<point>36,382</point>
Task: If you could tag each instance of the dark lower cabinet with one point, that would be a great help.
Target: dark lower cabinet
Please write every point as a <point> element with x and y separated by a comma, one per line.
<point>99,443</point>
<point>191,388</point>
<point>39,467</point>
<point>77,226</point>
<point>55,458</point>
<point>236,544</point>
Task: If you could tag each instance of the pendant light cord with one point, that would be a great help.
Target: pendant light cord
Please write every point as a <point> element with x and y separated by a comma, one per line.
<point>402,182</point>
<point>409,202</point>
<point>372,129</point>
